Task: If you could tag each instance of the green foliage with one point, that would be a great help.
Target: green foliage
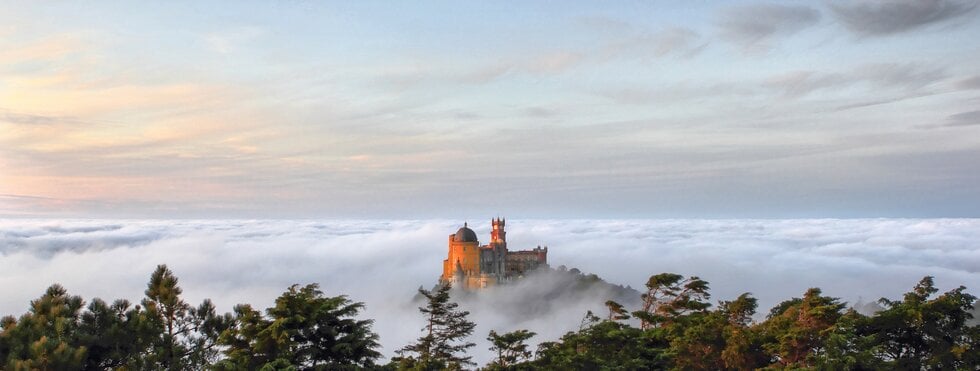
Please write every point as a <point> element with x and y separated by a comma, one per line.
<point>799,333</point>
<point>510,349</point>
<point>719,339</point>
<point>812,332</point>
<point>186,336</point>
<point>305,330</point>
<point>923,333</point>
<point>604,345</point>
<point>442,343</point>
<point>846,348</point>
<point>117,335</point>
<point>670,296</point>
<point>616,311</point>
<point>46,337</point>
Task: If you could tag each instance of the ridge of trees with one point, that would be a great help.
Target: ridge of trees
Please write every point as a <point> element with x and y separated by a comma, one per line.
<point>674,327</point>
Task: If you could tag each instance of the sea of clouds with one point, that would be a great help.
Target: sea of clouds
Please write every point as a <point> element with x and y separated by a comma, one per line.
<point>382,263</point>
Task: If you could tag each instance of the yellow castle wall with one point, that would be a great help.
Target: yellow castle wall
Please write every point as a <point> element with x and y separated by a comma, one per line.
<point>468,255</point>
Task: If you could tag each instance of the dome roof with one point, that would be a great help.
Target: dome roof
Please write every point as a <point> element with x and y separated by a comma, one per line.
<point>465,234</point>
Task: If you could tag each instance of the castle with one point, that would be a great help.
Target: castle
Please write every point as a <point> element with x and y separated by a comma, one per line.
<point>472,266</point>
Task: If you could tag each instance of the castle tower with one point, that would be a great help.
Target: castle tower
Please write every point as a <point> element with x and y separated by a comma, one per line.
<point>497,234</point>
<point>464,254</point>
<point>498,245</point>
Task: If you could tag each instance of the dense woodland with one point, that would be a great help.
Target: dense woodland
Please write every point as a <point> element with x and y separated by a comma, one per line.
<point>676,326</point>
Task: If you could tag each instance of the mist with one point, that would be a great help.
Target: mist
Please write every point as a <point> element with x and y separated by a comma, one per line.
<point>382,263</point>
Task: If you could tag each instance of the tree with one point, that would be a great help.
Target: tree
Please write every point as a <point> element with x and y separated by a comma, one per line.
<point>743,348</point>
<point>322,331</point>
<point>206,328</point>
<point>304,330</point>
<point>169,312</point>
<point>799,333</point>
<point>187,336</point>
<point>604,345</point>
<point>249,345</point>
<point>510,348</point>
<point>45,337</point>
<point>117,335</point>
<point>442,343</point>
<point>849,347</point>
<point>616,311</point>
<point>669,296</point>
<point>926,333</point>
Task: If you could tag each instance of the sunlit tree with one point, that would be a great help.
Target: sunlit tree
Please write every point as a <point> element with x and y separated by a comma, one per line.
<point>799,332</point>
<point>926,332</point>
<point>669,296</point>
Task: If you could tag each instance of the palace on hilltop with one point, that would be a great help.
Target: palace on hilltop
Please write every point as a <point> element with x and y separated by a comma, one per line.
<point>474,266</point>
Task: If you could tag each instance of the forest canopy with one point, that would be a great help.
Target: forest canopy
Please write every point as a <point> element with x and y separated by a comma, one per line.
<point>675,326</point>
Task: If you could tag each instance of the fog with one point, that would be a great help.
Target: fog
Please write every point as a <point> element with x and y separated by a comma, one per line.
<point>382,263</point>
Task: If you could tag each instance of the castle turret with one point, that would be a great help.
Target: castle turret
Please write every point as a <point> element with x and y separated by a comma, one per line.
<point>497,234</point>
<point>464,251</point>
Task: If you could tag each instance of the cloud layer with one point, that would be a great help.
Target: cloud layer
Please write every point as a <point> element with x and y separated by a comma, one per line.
<point>755,26</point>
<point>383,262</point>
<point>878,18</point>
<point>354,110</point>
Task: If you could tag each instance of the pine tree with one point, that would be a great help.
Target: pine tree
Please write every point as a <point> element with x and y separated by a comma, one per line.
<point>510,348</point>
<point>305,330</point>
<point>616,311</point>
<point>117,335</point>
<point>45,337</point>
<point>187,335</point>
<point>165,307</point>
<point>670,295</point>
<point>442,344</point>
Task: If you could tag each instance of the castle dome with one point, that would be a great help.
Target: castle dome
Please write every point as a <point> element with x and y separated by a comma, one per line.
<point>465,234</point>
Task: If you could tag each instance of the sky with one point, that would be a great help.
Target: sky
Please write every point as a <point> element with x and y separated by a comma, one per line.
<point>447,109</point>
<point>383,262</point>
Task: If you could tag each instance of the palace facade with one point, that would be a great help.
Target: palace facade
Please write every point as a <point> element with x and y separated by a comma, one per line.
<point>474,266</point>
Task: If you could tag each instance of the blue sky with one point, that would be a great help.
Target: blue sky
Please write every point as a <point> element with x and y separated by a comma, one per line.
<point>531,109</point>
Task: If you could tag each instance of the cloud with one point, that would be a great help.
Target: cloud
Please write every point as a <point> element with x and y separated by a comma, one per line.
<point>885,82</point>
<point>801,83</point>
<point>29,119</point>
<point>970,118</point>
<point>755,27</point>
<point>622,44</point>
<point>231,40</point>
<point>879,18</point>
<point>909,76</point>
<point>538,112</point>
<point>47,49</point>
<point>969,83</point>
<point>673,41</point>
<point>903,77</point>
<point>678,40</point>
<point>438,72</point>
<point>382,262</point>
